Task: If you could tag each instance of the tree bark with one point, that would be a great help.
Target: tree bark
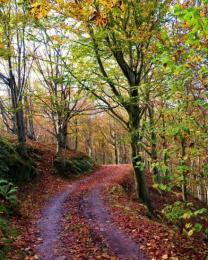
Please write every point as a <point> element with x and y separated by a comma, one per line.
<point>155,170</point>
<point>21,134</point>
<point>19,119</point>
<point>62,138</point>
<point>138,163</point>
<point>184,173</point>
<point>139,173</point>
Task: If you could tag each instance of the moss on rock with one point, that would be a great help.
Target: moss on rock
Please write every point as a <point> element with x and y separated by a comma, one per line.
<point>12,166</point>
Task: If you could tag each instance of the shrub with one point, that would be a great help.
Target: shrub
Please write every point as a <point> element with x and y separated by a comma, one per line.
<point>7,236</point>
<point>75,166</point>
<point>185,217</point>
<point>8,191</point>
<point>12,166</point>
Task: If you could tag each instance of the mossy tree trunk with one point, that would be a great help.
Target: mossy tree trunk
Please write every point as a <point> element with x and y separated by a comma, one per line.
<point>137,161</point>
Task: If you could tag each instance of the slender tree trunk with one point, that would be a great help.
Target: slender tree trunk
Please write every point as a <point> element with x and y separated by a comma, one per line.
<point>21,134</point>
<point>116,150</point>
<point>167,172</point>
<point>184,173</point>
<point>76,136</point>
<point>89,144</point>
<point>155,170</point>
<point>29,119</point>
<point>18,110</point>
<point>20,121</point>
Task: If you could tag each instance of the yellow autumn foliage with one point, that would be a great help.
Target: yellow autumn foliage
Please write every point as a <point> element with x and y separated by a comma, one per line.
<point>40,9</point>
<point>4,1</point>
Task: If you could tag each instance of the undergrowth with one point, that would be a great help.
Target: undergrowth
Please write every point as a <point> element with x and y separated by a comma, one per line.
<point>12,166</point>
<point>75,166</point>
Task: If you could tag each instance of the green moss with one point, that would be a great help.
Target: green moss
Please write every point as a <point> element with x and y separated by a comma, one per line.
<point>12,166</point>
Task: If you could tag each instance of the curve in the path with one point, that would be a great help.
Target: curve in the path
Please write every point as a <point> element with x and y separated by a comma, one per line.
<point>94,210</point>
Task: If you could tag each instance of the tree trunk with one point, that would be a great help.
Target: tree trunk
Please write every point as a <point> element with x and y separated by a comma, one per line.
<point>21,134</point>
<point>29,118</point>
<point>62,145</point>
<point>184,173</point>
<point>116,150</point>
<point>62,138</point>
<point>20,122</point>
<point>155,170</point>
<point>76,143</point>
<point>165,153</point>
<point>18,114</point>
<point>139,171</point>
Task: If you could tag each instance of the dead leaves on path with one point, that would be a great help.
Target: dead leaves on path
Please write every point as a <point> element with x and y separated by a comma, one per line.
<point>83,243</point>
<point>157,239</point>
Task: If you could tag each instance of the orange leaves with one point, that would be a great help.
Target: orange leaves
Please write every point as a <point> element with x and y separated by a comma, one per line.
<point>4,1</point>
<point>40,9</point>
<point>101,19</point>
<point>109,4</point>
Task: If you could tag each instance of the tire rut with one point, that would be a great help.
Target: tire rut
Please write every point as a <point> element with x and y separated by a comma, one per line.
<point>50,227</point>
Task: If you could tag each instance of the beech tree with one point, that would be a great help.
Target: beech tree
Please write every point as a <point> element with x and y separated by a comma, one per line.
<point>123,35</point>
<point>15,62</point>
<point>61,98</point>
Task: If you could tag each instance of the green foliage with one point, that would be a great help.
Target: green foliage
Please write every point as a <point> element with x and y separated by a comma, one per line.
<point>162,187</point>
<point>185,216</point>
<point>174,212</point>
<point>12,166</point>
<point>7,232</point>
<point>75,166</point>
<point>7,236</point>
<point>8,191</point>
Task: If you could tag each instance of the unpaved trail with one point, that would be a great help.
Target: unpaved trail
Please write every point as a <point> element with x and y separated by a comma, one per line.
<point>92,207</point>
<point>49,225</point>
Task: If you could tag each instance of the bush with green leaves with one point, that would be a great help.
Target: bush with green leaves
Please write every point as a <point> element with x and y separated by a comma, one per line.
<point>185,216</point>
<point>7,236</point>
<point>8,191</point>
<point>75,166</point>
<point>162,187</point>
<point>12,166</point>
<point>8,203</point>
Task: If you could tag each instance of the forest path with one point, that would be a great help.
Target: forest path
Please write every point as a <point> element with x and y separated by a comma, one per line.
<point>85,197</point>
